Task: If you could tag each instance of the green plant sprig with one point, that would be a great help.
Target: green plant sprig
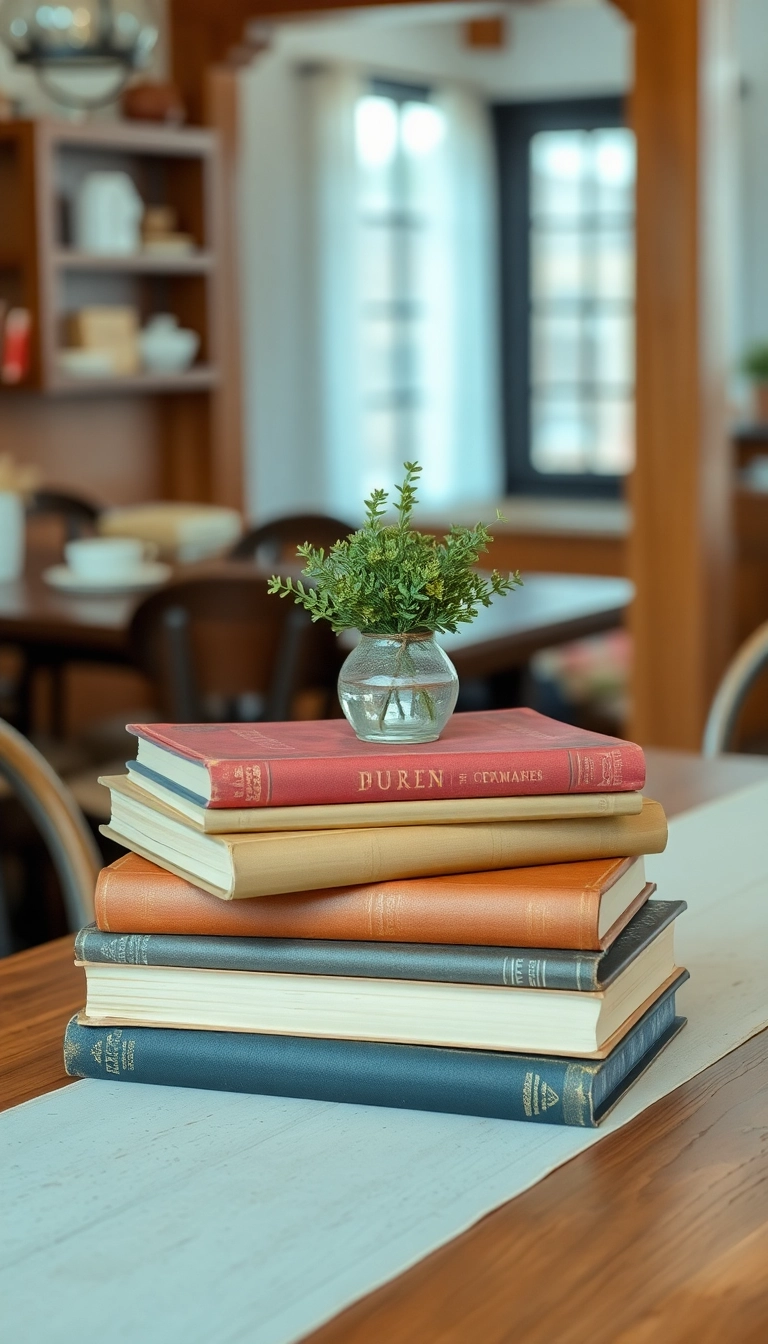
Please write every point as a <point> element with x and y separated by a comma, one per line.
<point>390,579</point>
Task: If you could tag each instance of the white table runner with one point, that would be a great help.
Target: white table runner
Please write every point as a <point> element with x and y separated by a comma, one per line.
<point>154,1214</point>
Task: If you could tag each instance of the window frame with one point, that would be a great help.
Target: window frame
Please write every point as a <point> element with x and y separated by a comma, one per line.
<point>514,126</point>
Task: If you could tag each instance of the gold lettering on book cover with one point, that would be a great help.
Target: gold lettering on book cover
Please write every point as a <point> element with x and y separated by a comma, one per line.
<point>527,1088</point>
<point>406,779</point>
<point>585,767</point>
<point>612,773</point>
<point>508,776</point>
<point>549,1097</point>
<point>97,1052</point>
<point>577,1108</point>
<point>71,1053</point>
<point>112,1051</point>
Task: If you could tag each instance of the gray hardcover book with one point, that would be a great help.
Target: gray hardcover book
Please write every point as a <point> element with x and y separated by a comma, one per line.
<point>517,967</point>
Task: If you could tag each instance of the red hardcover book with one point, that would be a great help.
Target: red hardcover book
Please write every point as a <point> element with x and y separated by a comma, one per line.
<point>492,754</point>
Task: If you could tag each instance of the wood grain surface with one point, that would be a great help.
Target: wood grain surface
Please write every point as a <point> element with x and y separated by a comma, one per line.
<point>39,992</point>
<point>680,549</point>
<point>658,1233</point>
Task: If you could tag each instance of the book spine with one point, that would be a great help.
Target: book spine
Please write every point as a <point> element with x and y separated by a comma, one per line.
<point>388,778</point>
<point>511,967</point>
<point>427,1078</point>
<point>629,1053</point>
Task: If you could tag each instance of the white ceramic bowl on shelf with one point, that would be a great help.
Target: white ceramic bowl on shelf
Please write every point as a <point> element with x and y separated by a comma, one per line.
<point>166,347</point>
<point>78,362</point>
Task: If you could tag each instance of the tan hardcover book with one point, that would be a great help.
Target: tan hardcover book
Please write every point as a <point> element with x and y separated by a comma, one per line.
<point>275,862</point>
<point>421,812</point>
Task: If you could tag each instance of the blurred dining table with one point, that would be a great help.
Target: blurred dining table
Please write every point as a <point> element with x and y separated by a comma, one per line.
<point>549,609</point>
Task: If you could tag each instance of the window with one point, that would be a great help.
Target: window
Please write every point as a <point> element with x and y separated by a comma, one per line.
<point>567,174</point>
<point>397,131</point>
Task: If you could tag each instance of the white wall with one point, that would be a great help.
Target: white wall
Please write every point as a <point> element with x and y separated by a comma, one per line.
<point>280,410</point>
<point>553,50</point>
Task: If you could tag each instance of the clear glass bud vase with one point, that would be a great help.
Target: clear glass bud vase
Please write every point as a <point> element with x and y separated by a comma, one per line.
<point>398,688</point>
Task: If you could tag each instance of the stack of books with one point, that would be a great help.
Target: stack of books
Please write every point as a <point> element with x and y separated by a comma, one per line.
<point>459,926</point>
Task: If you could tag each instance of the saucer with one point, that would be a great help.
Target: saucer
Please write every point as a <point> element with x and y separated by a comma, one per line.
<point>149,574</point>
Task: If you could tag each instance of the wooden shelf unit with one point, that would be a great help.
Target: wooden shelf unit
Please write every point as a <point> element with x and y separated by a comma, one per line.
<point>42,164</point>
<point>197,379</point>
<point>139,263</point>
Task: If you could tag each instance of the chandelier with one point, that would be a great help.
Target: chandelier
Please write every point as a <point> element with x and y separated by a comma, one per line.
<point>83,51</point>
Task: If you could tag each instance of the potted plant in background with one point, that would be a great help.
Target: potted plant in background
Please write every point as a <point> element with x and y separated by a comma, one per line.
<point>755,366</point>
<point>399,587</point>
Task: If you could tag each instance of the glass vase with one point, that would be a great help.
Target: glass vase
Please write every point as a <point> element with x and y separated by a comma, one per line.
<point>398,688</point>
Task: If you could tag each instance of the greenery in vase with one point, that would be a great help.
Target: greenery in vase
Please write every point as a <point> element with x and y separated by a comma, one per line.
<point>390,579</point>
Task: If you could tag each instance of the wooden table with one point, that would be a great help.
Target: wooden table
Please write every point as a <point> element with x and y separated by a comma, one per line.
<point>549,609</point>
<point>657,1234</point>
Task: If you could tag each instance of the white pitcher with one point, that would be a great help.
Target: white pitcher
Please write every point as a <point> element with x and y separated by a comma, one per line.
<point>108,213</point>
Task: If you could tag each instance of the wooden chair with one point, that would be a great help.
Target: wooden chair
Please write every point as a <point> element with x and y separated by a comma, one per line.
<point>77,515</point>
<point>739,678</point>
<point>60,822</point>
<point>218,646</point>
<point>277,540</point>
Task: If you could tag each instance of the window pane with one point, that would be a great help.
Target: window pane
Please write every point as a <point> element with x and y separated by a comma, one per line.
<point>615,437</point>
<point>613,264</point>
<point>376,138</point>
<point>561,435</point>
<point>376,263</point>
<point>377,356</point>
<point>556,350</point>
<point>379,447</point>
<point>559,162</point>
<point>392,357</point>
<point>557,264</point>
<point>612,338</point>
<point>614,170</point>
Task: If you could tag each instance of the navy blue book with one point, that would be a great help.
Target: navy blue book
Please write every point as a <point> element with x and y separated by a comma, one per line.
<point>518,967</point>
<point>486,1083</point>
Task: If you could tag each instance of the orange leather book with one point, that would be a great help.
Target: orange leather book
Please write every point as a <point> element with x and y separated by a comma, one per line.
<point>582,905</point>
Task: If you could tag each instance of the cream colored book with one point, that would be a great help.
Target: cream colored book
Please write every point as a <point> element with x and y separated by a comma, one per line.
<point>412,1012</point>
<point>270,863</point>
<point>422,812</point>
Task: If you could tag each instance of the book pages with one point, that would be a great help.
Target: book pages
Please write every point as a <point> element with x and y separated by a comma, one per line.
<point>131,1212</point>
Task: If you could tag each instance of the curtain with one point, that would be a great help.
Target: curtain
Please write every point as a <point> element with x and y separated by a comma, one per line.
<point>462,452</point>
<point>330,97</point>
<point>300,260</point>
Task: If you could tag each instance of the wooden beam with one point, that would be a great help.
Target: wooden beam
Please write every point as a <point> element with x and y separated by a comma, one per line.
<point>227,471</point>
<point>680,548</point>
<point>203,32</point>
<point>627,7</point>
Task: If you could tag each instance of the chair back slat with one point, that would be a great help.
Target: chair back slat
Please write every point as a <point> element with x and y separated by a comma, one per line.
<point>739,678</point>
<point>275,542</point>
<point>219,641</point>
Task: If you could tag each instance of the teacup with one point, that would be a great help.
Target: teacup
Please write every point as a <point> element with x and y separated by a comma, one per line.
<point>107,559</point>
